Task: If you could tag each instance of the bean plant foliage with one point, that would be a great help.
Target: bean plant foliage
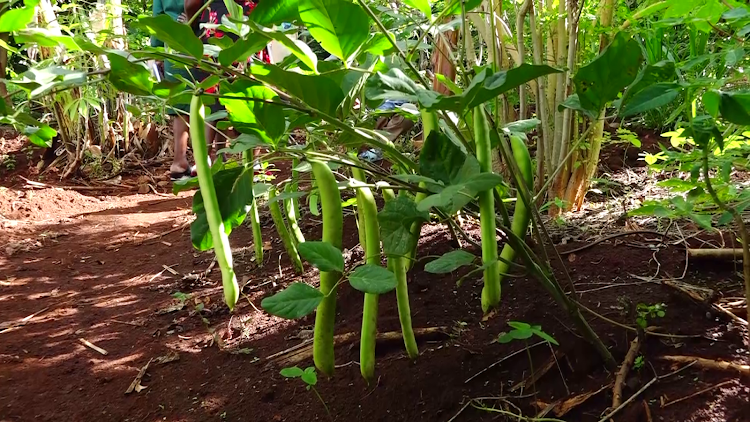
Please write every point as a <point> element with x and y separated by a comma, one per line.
<point>371,60</point>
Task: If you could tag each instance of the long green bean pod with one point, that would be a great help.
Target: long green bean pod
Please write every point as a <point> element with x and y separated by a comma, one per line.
<point>521,215</point>
<point>368,211</point>
<point>291,205</point>
<point>429,124</point>
<point>491,289</point>
<point>247,160</point>
<point>286,237</point>
<point>333,228</point>
<point>397,266</point>
<point>210,202</point>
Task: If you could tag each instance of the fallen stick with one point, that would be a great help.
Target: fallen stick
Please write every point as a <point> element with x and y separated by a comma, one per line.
<point>10,326</point>
<point>610,237</point>
<point>303,351</point>
<point>647,410</point>
<point>538,374</point>
<point>517,352</point>
<point>697,393</point>
<point>93,346</point>
<point>724,254</point>
<point>710,364</point>
<point>644,388</point>
<point>622,373</point>
<point>704,297</point>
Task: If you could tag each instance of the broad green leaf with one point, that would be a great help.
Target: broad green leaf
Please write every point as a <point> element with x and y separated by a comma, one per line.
<point>275,12</point>
<point>293,372</point>
<point>450,262</point>
<point>177,36</point>
<point>708,16</point>
<point>40,136</point>
<point>242,143</point>
<point>294,302</point>
<point>522,126</point>
<point>652,97</point>
<point>322,255</point>
<point>712,101</point>
<point>537,330</point>
<point>234,192</point>
<point>283,196</point>
<point>441,159</point>
<point>574,103</point>
<point>488,84</point>
<point>663,71</point>
<point>251,114</point>
<point>340,26</point>
<point>725,218</point>
<point>242,49</point>
<point>518,325</point>
<point>297,47</point>
<point>703,220</point>
<point>39,81</point>
<point>600,81</point>
<point>16,19</point>
<point>421,5</point>
<point>373,279</point>
<point>317,91</point>
<point>735,107</point>
<point>394,84</point>
<point>469,5</point>
<point>734,56</point>
<point>129,77</point>
<point>396,219</point>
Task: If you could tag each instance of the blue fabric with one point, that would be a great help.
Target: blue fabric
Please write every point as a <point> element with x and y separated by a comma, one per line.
<point>390,105</point>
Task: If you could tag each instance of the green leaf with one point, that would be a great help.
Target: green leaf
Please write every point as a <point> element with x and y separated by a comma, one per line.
<point>537,330</point>
<point>663,71</point>
<point>396,219</point>
<point>317,91</point>
<point>441,159</point>
<point>177,36</point>
<point>40,136</point>
<point>275,12</point>
<point>469,5</point>
<point>39,81</point>
<point>394,84</point>
<point>242,49</point>
<point>297,47</point>
<point>421,5</point>
<point>703,220</point>
<point>293,372</point>
<point>294,302</point>
<point>128,76</point>
<point>725,218</point>
<point>373,279</point>
<point>16,19</point>
<point>574,103</point>
<point>735,107</point>
<point>309,376</point>
<point>322,255</point>
<point>340,26</point>
<point>712,101</point>
<point>450,262</point>
<point>519,325</point>
<point>488,84</point>
<point>615,68</point>
<point>652,97</point>
<point>455,197</point>
<point>258,118</point>
<point>734,56</point>
<point>234,192</point>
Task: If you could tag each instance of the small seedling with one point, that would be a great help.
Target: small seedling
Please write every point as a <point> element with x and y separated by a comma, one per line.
<point>524,331</point>
<point>309,377</point>
<point>638,364</point>
<point>646,312</point>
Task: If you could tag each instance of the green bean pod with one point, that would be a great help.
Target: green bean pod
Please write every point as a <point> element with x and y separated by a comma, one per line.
<point>333,228</point>
<point>210,202</point>
<point>247,160</point>
<point>368,211</point>
<point>291,205</point>
<point>397,266</point>
<point>286,237</point>
<point>521,214</point>
<point>429,124</point>
<point>491,289</point>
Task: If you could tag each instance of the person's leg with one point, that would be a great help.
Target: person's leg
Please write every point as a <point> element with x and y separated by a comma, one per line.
<point>180,130</point>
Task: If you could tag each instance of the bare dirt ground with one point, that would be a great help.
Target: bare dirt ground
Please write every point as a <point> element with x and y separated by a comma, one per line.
<point>103,267</point>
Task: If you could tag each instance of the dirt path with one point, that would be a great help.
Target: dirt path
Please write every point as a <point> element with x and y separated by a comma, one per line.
<point>75,266</point>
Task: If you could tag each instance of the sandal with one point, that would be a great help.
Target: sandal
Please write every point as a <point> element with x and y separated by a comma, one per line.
<point>177,176</point>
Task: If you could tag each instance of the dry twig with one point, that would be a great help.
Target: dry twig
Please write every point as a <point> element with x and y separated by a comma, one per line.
<point>622,374</point>
<point>710,364</point>
<point>697,393</point>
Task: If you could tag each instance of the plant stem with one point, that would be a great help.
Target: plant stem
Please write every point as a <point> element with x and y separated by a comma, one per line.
<point>291,205</point>
<point>221,245</point>
<point>368,211</point>
<point>333,223</point>
<point>322,401</point>
<point>286,237</point>
<point>398,267</point>
<point>247,160</point>
<point>491,289</point>
<point>740,224</point>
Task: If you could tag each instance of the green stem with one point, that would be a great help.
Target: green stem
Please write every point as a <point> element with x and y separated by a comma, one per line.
<point>247,160</point>
<point>221,245</point>
<point>429,124</point>
<point>333,227</point>
<point>521,215</point>
<point>286,237</point>
<point>291,205</point>
<point>398,266</point>
<point>491,289</point>
<point>368,211</point>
